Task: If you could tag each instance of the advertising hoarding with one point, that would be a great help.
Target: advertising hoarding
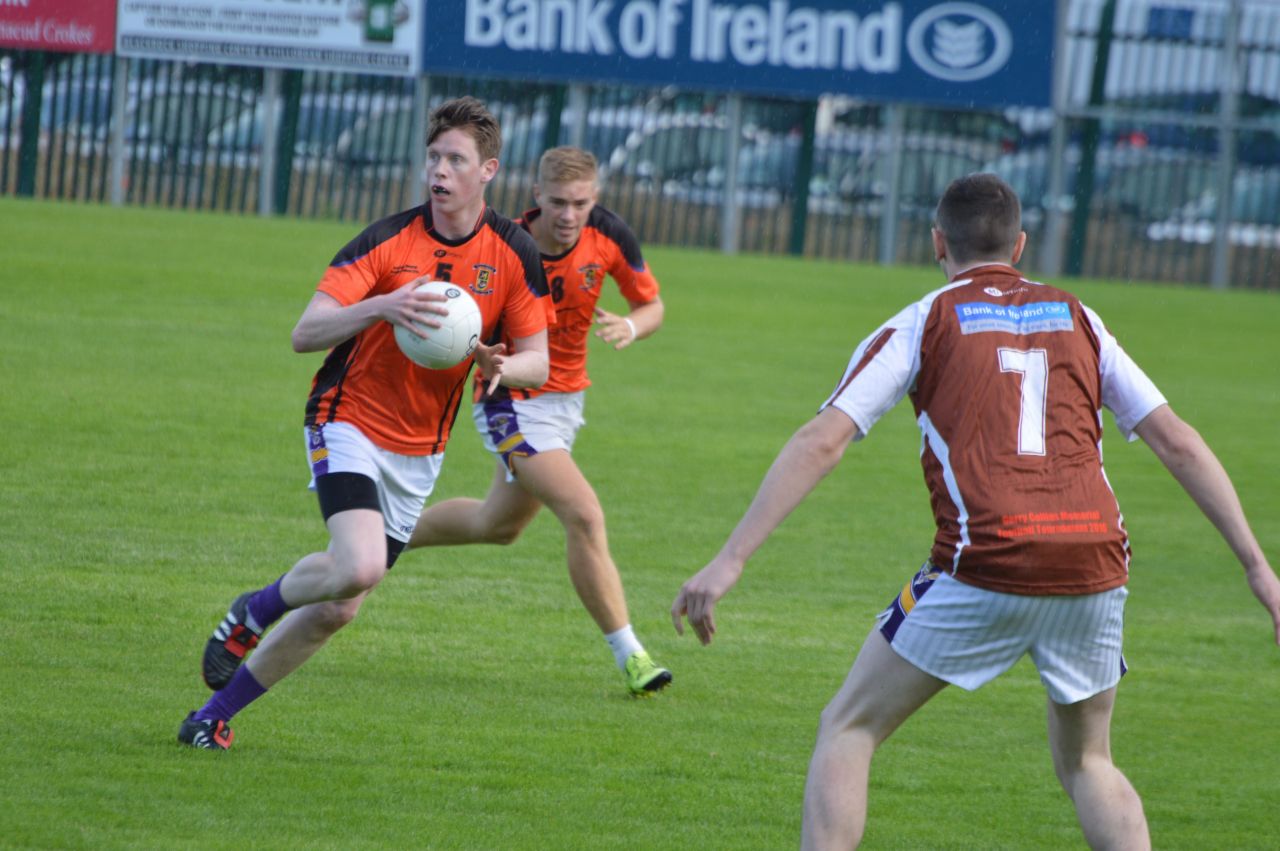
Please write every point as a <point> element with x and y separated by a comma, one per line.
<point>364,36</point>
<point>991,52</point>
<point>65,26</point>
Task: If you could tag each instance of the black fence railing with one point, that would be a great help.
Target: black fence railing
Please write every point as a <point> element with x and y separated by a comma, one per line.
<point>839,179</point>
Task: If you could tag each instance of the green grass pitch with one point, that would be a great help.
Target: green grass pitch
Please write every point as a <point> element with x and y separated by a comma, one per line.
<point>153,468</point>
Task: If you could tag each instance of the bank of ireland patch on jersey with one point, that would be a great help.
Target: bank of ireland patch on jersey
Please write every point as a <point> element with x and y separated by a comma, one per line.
<point>977,317</point>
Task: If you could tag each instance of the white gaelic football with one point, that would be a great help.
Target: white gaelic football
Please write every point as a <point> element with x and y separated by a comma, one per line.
<point>455,339</point>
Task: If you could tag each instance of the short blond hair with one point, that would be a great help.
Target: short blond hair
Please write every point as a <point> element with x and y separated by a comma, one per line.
<point>566,164</point>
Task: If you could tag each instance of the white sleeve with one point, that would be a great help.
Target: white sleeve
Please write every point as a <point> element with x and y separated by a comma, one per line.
<point>1126,390</point>
<point>882,369</point>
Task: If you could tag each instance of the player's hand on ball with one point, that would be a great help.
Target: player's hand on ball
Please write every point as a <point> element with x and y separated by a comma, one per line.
<point>409,307</point>
<point>614,329</point>
<point>490,360</point>
<point>698,597</point>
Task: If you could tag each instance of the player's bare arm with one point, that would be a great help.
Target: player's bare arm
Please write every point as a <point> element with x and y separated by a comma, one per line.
<point>621,331</point>
<point>529,366</point>
<point>326,322</point>
<point>811,453</point>
<point>1183,451</point>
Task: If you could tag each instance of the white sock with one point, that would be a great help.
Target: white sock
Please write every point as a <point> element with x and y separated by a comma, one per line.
<point>623,643</point>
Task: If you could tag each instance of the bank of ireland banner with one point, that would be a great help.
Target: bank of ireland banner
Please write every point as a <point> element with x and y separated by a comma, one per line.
<point>982,53</point>
<point>365,36</point>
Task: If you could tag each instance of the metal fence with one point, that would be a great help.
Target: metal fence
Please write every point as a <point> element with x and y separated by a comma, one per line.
<point>1162,111</point>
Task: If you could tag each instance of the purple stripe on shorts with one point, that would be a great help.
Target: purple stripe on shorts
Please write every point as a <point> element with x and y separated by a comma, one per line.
<point>893,615</point>
<point>504,427</point>
<point>317,452</point>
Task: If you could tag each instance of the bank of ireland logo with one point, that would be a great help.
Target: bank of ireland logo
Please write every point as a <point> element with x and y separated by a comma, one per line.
<point>959,42</point>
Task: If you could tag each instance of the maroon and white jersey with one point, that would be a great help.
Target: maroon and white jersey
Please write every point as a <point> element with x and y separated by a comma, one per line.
<point>1008,378</point>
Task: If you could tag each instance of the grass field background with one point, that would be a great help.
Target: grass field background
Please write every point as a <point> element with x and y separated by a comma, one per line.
<point>153,468</point>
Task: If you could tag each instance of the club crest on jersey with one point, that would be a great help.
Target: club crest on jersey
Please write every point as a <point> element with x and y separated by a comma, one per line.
<point>592,275</point>
<point>484,279</point>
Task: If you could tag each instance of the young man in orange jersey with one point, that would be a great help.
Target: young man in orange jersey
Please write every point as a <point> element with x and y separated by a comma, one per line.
<point>531,432</point>
<point>376,423</point>
<point>1008,378</point>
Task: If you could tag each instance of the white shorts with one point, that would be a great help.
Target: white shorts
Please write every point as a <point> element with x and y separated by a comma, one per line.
<point>524,427</point>
<point>968,636</point>
<point>404,481</point>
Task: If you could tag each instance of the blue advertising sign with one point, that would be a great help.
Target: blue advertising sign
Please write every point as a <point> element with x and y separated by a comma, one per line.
<point>982,53</point>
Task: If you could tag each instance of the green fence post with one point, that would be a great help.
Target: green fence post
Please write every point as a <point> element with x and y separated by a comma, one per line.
<point>1089,145</point>
<point>804,174</point>
<point>285,143</point>
<point>29,142</point>
<point>555,106</point>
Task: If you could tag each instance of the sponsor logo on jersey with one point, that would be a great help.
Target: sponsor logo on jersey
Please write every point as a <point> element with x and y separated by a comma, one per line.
<point>484,279</point>
<point>959,42</point>
<point>996,292</point>
<point>977,317</point>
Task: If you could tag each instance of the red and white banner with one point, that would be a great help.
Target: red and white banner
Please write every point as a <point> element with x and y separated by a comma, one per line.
<point>68,26</point>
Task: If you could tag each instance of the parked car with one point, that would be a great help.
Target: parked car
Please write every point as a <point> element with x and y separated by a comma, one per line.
<point>672,148</point>
<point>322,119</point>
<point>172,122</point>
<point>382,142</point>
<point>524,135</point>
<point>1255,214</point>
<point>685,157</point>
<point>852,168</point>
<point>1141,182</point>
<point>67,105</point>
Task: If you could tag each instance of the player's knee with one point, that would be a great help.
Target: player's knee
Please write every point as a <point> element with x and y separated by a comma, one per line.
<point>333,616</point>
<point>1071,768</point>
<point>503,532</point>
<point>830,722</point>
<point>585,518</point>
<point>841,720</point>
<point>360,574</point>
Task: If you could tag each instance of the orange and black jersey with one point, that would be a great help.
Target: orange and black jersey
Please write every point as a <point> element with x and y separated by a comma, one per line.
<point>366,380</point>
<point>606,246</point>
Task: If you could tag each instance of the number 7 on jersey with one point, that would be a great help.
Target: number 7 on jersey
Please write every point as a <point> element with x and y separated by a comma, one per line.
<point>1033,366</point>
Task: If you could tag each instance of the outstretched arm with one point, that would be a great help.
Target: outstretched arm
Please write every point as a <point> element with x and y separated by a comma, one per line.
<point>1183,451</point>
<point>811,453</point>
